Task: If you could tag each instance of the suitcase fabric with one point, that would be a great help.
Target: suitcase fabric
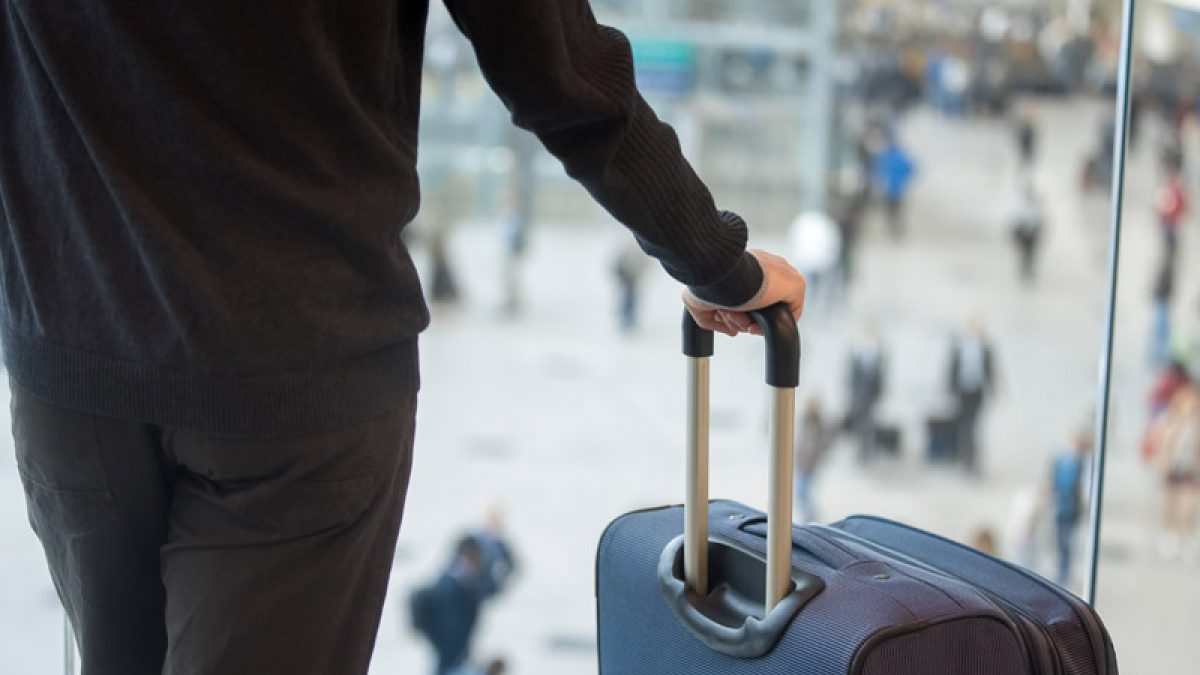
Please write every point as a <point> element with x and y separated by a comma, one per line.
<point>875,616</point>
<point>1064,634</point>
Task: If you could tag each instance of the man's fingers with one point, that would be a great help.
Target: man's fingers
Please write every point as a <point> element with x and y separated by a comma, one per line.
<point>711,320</point>
<point>798,309</point>
<point>739,321</point>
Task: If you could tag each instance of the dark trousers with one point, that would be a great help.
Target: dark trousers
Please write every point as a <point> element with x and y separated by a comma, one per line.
<point>894,207</point>
<point>969,405</point>
<point>865,430</point>
<point>627,312</point>
<point>1064,534</point>
<point>180,554</point>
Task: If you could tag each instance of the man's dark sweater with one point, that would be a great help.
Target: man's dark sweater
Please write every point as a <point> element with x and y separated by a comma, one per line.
<point>201,201</point>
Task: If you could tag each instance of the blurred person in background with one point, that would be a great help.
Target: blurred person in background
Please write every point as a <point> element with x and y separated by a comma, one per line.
<point>983,539</point>
<point>1026,138</point>
<point>1098,166</point>
<point>1022,520</point>
<point>447,611</point>
<point>816,245</point>
<point>1176,455</point>
<point>441,209</point>
<point>954,82</point>
<point>894,171</point>
<point>1171,378</point>
<point>815,438</point>
<point>443,283</point>
<point>215,311</point>
<point>629,270</point>
<point>498,562</point>
<point>1171,204</point>
<point>971,379</point>
<point>513,241</point>
<point>1160,321</point>
<point>867,373</point>
<point>517,221</point>
<point>849,214</point>
<point>1067,474</point>
<point>1027,227</point>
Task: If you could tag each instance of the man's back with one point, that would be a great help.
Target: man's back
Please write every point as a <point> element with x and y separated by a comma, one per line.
<point>202,199</point>
<point>212,188</point>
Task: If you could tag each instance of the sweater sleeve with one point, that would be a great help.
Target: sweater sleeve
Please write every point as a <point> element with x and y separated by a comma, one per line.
<point>570,81</point>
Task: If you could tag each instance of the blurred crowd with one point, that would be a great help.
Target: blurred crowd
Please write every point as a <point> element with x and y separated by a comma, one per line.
<point>978,66</point>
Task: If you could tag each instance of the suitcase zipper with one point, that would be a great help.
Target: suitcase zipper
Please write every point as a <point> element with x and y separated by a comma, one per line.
<point>1024,619</point>
<point>1093,629</point>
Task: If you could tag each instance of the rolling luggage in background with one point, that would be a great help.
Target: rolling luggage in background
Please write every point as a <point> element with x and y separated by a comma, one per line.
<point>889,440</point>
<point>726,589</point>
<point>941,437</point>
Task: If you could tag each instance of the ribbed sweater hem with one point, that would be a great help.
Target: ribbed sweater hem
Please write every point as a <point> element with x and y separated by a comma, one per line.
<point>269,405</point>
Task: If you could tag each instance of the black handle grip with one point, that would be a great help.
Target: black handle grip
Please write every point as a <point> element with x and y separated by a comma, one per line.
<point>783,343</point>
<point>697,342</point>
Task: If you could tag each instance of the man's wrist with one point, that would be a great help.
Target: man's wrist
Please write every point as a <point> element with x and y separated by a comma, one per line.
<point>741,285</point>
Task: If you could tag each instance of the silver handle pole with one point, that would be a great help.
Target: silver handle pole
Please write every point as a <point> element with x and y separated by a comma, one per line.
<point>695,504</point>
<point>783,366</point>
<point>68,646</point>
<point>779,508</point>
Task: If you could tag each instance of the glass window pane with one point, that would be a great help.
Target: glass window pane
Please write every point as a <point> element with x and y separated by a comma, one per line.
<point>939,170</point>
<point>1149,548</point>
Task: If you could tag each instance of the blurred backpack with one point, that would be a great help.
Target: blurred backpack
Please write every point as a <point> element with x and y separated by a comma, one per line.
<point>421,610</point>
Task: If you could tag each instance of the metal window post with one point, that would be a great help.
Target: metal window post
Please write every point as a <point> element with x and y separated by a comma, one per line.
<point>1118,201</point>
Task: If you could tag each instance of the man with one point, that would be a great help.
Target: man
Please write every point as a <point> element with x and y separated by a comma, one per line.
<point>894,171</point>
<point>1171,203</point>
<point>971,380</point>
<point>496,555</point>
<point>1067,472</point>
<point>453,604</point>
<point>868,367</point>
<point>210,320</point>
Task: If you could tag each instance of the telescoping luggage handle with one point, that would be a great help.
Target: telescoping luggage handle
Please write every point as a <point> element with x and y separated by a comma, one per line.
<point>783,372</point>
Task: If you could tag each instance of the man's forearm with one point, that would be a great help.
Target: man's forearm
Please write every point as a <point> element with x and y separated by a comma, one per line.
<point>571,81</point>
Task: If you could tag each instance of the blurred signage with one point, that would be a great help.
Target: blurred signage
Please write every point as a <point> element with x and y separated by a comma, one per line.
<point>665,66</point>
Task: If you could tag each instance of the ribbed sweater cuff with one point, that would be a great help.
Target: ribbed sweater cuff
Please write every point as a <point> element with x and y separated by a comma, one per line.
<point>737,287</point>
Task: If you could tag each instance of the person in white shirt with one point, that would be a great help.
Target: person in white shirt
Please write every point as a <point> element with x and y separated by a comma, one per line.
<point>816,244</point>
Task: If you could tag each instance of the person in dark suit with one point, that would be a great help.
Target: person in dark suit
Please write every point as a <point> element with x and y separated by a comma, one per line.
<point>971,380</point>
<point>454,602</point>
<point>867,368</point>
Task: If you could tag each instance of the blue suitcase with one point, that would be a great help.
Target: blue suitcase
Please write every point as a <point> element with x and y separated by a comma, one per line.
<point>756,595</point>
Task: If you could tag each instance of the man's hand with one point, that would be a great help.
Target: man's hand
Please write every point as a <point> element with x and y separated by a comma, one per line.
<point>781,283</point>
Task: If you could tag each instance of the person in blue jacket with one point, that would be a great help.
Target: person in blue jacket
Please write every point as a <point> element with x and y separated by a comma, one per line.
<point>894,170</point>
<point>449,609</point>
<point>1067,474</point>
